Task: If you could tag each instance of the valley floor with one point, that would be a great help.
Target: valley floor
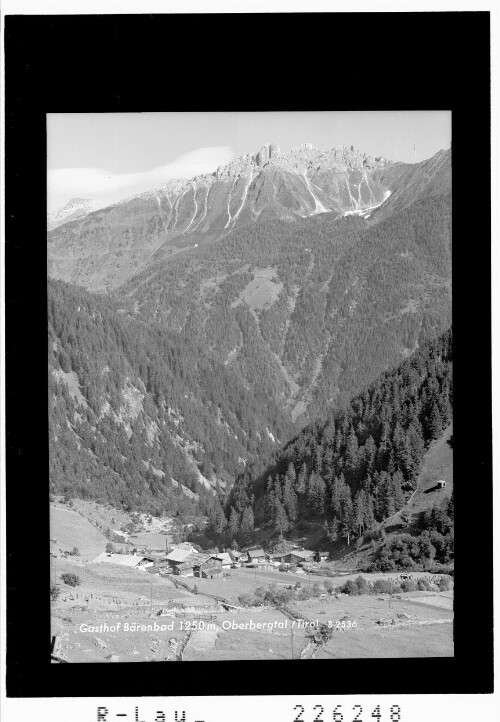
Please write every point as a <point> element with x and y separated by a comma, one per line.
<point>197,627</point>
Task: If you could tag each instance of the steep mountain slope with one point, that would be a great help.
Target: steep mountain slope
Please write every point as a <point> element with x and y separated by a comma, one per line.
<point>135,410</point>
<point>360,466</point>
<point>236,320</point>
<point>105,248</point>
<point>429,179</point>
<point>75,208</point>
<point>310,312</point>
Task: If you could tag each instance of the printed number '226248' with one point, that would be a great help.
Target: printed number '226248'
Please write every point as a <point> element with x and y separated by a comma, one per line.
<point>319,714</point>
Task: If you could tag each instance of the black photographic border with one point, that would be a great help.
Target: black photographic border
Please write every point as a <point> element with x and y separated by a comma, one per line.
<point>245,62</point>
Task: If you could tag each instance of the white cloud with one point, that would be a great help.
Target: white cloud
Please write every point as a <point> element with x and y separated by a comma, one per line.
<point>66,183</point>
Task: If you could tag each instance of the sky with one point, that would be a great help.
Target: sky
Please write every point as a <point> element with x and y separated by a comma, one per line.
<point>111,156</point>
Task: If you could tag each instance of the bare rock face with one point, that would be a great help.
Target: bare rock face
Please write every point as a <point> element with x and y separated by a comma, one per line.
<point>266,153</point>
<point>104,248</point>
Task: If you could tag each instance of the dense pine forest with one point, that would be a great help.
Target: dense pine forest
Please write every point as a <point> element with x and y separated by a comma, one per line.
<point>133,406</point>
<point>359,467</point>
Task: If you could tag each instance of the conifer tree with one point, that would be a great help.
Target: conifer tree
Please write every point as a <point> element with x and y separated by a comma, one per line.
<point>316,493</point>
<point>281,522</point>
<point>369,452</point>
<point>234,523</point>
<point>360,511</point>
<point>289,496</point>
<point>247,525</point>
<point>435,422</point>
<point>351,450</point>
<point>270,499</point>
<point>302,479</point>
<point>341,501</point>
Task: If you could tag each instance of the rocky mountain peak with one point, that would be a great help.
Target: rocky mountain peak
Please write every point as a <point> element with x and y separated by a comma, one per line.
<point>268,151</point>
<point>304,147</point>
<point>74,208</point>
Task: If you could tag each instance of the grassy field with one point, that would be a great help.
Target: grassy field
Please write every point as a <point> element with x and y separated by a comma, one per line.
<point>70,529</point>
<point>429,634</point>
<point>269,642</point>
<point>73,528</point>
<point>431,641</point>
<point>367,609</point>
<point>129,585</point>
<point>85,640</point>
<point>263,290</point>
<point>113,595</point>
<point>247,580</point>
<point>110,594</point>
<point>98,514</point>
<point>151,539</point>
<point>438,464</point>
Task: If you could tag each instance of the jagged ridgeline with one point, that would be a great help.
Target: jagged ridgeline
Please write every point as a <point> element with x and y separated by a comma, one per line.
<point>141,416</point>
<point>360,466</point>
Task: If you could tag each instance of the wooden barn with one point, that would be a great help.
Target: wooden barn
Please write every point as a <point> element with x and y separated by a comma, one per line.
<point>225,559</point>
<point>207,567</point>
<point>322,556</point>
<point>177,557</point>
<point>256,555</point>
<point>299,557</point>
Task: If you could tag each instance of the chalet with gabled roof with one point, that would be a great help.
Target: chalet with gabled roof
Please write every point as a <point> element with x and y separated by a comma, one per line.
<point>199,565</point>
<point>225,559</point>
<point>299,557</point>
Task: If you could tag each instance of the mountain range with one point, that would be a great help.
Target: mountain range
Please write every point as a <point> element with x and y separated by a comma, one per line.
<point>294,279</point>
<point>101,249</point>
<point>73,209</point>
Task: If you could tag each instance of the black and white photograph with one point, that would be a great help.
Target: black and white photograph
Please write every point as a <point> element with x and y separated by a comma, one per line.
<point>248,365</point>
<point>250,385</point>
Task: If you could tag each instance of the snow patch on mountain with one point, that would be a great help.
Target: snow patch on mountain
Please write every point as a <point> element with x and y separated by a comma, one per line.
<point>75,208</point>
<point>366,212</point>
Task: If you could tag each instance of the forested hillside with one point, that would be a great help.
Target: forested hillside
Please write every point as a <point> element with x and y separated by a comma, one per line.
<point>136,410</point>
<point>211,356</point>
<point>308,313</point>
<point>359,467</point>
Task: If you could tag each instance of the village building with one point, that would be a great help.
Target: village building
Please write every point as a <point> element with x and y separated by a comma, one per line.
<point>299,557</point>
<point>225,559</point>
<point>322,556</point>
<point>145,563</point>
<point>256,556</point>
<point>207,568</point>
<point>177,557</point>
<point>184,569</point>
<point>278,557</point>
<point>441,483</point>
<point>199,565</point>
